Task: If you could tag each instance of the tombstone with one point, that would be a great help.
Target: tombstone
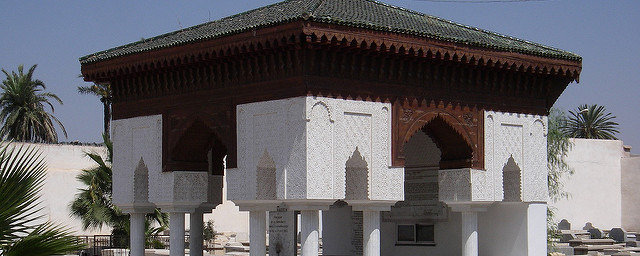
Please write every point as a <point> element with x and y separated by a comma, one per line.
<point>564,249</point>
<point>565,238</point>
<point>587,226</point>
<point>596,233</point>
<point>564,225</point>
<point>282,232</point>
<point>618,234</point>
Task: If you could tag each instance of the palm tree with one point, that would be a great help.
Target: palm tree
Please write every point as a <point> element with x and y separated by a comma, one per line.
<point>104,92</point>
<point>591,122</point>
<point>23,112</point>
<point>22,174</point>
<point>94,206</point>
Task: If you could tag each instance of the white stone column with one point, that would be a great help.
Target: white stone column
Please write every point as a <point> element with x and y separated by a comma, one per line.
<point>309,232</point>
<point>469,233</point>
<point>176,239</point>
<point>195,233</point>
<point>258,233</point>
<point>136,234</point>
<point>371,233</point>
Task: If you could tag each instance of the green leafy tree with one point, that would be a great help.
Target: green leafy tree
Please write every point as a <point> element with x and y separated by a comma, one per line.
<point>24,115</point>
<point>558,146</point>
<point>103,91</point>
<point>22,174</point>
<point>94,205</point>
<point>591,122</point>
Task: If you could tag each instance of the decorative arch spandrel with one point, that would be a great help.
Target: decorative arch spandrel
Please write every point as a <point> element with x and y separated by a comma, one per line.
<point>460,123</point>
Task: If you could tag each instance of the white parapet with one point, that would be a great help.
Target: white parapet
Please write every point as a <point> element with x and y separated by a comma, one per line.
<point>314,148</point>
<point>139,182</point>
<point>515,163</point>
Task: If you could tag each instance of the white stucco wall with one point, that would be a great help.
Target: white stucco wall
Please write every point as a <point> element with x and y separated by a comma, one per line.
<point>448,240</point>
<point>631,192</point>
<point>595,187</point>
<point>64,163</point>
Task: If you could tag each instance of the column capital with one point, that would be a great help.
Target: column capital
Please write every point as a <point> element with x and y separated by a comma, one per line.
<point>470,207</point>
<point>179,207</point>
<point>371,206</point>
<point>137,208</point>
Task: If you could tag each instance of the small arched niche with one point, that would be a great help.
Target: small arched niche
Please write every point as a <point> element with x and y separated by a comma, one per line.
<point>266,177</point>
<point>512,181</point>
<point>357,177</point>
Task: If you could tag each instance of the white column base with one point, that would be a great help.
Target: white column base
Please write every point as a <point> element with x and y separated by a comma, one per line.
<point>371,233</point>
<point>195,233</point>
<point>469,233</point>
<point>136,236</point>
<point>258,233</point>
<point>176,231</point>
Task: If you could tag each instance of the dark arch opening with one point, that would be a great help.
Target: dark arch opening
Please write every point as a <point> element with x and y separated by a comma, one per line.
<point>456,151</point>
<point>194,149</point>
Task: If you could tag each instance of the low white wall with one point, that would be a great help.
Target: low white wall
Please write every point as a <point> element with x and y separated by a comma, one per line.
<point>631,192</point>
<point>595,187</point>
<point>64,163</point>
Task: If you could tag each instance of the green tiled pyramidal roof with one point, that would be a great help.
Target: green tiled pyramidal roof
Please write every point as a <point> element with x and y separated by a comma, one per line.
<point>368,14</point>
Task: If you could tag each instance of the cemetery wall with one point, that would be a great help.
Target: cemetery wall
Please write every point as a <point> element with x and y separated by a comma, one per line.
<point>595,188</point>
<point>631,192</point>
<point>64,163</point>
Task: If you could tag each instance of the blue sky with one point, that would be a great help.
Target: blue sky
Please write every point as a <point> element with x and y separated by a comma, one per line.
<point>54,34</point>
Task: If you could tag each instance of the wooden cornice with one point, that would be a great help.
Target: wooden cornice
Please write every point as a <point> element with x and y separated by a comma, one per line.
<point>402,44</point>
<point>307,33</point>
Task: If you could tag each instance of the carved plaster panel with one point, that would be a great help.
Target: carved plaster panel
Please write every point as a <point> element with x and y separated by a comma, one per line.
<point>310,140</point>
<point>523,138</point>
<point>136,159</point>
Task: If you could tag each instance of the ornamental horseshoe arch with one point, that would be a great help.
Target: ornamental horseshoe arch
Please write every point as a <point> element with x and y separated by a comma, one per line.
<point>449,134</point>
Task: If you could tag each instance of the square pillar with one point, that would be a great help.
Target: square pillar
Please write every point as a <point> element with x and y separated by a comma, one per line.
<point>196,224</point>
<point>136,233</point>
<point>371,233</point>
<point>176,232</point>
<point>537,229</point>
<point>258,233</point>
<point>469,233</point>
<point>309,232</point>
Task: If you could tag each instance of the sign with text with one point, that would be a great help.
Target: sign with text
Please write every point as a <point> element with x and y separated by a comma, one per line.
<point>282,232</point>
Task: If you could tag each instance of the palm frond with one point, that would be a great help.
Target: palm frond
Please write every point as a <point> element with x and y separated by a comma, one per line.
<point>22,173</point>
<point>591,122</point>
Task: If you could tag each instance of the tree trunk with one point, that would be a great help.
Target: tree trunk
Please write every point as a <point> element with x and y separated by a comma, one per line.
<point>107,117</point>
